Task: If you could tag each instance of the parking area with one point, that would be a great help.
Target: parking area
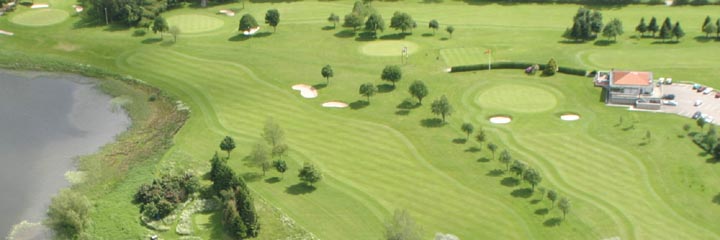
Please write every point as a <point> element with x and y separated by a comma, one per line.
<point>686,97</point>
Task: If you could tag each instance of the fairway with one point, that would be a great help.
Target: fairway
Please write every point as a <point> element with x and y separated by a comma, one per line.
<point>517,98</point>
<point>387,48</point>
<point>628,174</point>
<point>40,17</point>
<point>195,23</point>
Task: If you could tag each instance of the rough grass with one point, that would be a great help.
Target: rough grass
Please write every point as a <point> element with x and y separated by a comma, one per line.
<point>380,157</point>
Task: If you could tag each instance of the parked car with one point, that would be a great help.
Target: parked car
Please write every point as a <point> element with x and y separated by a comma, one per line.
<point>668,81</point>
<point>717,95</point>
<point>707,91</point>
<point>696,86</point>
<point>670,102</point>
<point>698,102</point>
<point>709,119</point>
<point>669,96</point>
<point>700,89</point>
<point>696,115</point>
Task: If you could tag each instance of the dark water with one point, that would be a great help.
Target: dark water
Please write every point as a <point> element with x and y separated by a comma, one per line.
<point>46,120</point>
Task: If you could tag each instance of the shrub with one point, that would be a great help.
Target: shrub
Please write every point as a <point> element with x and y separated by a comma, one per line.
<point>573,71</point>
<point>160,198</point>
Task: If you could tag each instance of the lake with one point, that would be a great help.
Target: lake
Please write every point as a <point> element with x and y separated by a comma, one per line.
<point>46,120</point>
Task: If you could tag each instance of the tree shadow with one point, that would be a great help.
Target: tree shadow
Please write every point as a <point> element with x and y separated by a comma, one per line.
<point>299,189</point>
<point>522,193</point>
<point>542,211</point>
<point>272,180</point>
<point>603,43</point>
<point>151,40</point>
<point>494,173</point>
<point>716,199</point>
<point>427,35</point>
<point>483,159</point>
<point>459,141</point>
<point>711,160</point>
<point>327,28</point>
<point>366,36</point>
<point>571,42</point>
<point>403,112</point>
<point>251,176</point>
<point>359,104</point>
<point>167,43</point>
<point>553,222</point>
<point>444,38</point>
<point>642,144</point>
<point>509,182</point>
<point>262,34</point>
<point>238,38</point>
<point>394,36</point>
<point>320,86</point>
<point>703,39</point>
<point>383,88</point>
<point>665,42</point>
<point>408,104</point>
<point>432,122</point>
<point>113,27</point>
<point>535,201</point>
<point>347,33</point>
<point>474,150</point>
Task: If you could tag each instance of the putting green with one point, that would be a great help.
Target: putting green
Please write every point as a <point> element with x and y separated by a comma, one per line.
<point>388,48</point>
<point>40,17</point>
<point>517,98</point>
<point>195,23</point>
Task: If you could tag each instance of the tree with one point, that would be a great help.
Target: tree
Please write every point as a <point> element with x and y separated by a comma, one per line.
<point>717,34</point>
<point>505,158</point>
<point>551,68</point>
<point>710,139</point>
<point>160,25</point>
<point>492,148</point>
<point>247,22</point>
<point>564,206</point>
<point>391,73</point>
<point>533,177</point>
<point>653,26</point>
<point>666,30</point>
<point>686,128</point>
<point>309,174</point>
<point>215,165</point>
<point>402,227</point>
<point>402,21</point>
<point>367,90</point>
<point>223,178</point>
<point>716,152</point>
<point>710,28</point>
<point>642,27</point>
<point>272,18</point>
<point>480,137</point>
<point>677,32</point>
<point>707,21</point>
<point>259,157</point>
<point>467,128</point>
<point>280,150</point>
<point>596,23</point>
<point>360,9</point>
<point>648,136</point>
<point>434,25</point>
<point>701,123</point>
<point>442,107</point>
<point>67,214</point>
<point>613,29</point>
<point>227,144</point>
<point>450,29</point>
<point>174,31</point>
<point>518,168</point>
<point>418,90</point>
<point>327,73</point>
<point>272,133</point>
<point>334,19</point>
<point>374,23</point>
<point>353,20</point>
<point>552,195</point>
<point>280,166</point>
<point>542,191</point>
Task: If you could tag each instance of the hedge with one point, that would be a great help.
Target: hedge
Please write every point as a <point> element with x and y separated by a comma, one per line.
<point>516,65</point>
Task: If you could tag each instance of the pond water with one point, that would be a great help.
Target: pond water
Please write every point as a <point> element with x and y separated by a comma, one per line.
<point>46,120</point>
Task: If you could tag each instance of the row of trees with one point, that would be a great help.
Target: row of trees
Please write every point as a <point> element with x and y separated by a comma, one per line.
<point>272,18</point>
<point>710,27</point>
<point>238,210</point>
<point>586,25</point>
<point>665,31</point>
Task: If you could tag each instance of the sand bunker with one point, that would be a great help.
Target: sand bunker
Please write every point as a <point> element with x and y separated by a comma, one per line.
<point>40,6</point>
<point>78,9</point>
<point>500,120</point>
<point>228,13</point>
<point>306,91</point>
<point>252,31</point>
<point>335,105</point>
<point>6,33</point>
<point>570,117</point>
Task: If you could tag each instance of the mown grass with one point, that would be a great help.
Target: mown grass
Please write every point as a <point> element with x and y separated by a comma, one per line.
<point>381,157</point>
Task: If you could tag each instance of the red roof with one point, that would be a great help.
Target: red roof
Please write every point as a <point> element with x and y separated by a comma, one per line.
<point>631,78</point>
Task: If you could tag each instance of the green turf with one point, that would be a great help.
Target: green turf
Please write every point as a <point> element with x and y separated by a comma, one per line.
<point>40,17</point>
<point>380,157</point>
<point>388,48</point>
<point>195,23</point>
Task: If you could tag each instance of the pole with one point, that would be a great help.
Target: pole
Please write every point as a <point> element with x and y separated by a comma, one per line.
<point>489,60</point>
<point>106,17</point>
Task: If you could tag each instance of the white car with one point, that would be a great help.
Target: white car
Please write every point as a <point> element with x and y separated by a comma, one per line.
<point>709,119</point>
<point>698,102</point>
<point>708,91</point>
<point>670,102</point>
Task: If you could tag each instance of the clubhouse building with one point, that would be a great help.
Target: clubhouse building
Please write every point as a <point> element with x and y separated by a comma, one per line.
<point>629,88</point>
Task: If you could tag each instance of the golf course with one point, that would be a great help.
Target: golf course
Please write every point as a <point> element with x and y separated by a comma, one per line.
<point>627,174</point>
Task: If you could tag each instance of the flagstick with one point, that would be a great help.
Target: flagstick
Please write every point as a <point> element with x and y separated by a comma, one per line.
<point>489,60</point>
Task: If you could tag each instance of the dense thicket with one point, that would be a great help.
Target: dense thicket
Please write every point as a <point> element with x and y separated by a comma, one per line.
<point>161,197</point>
<point>128,12</point>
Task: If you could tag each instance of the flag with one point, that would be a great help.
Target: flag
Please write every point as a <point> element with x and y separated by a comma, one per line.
<point>488,51</point>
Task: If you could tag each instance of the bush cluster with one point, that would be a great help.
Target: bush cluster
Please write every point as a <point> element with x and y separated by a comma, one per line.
<point>161,197</point>
<point>516,65</point>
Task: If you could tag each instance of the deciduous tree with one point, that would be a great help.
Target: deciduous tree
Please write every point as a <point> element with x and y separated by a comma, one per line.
<point>492,148</point>
<point>518,168</point>
<point>391,73</point>
<point>280,166</point>
<point>710,28</point>
<point>450,29</point>
<point>402,227</point>
<point>418,90</point>
<point>551,68</point>
<point>67,214</point>
<point>160,25</point>
<point>467,128</point>
<point>327,73</point>
<point>272,18</point>
<point>434,25</point>
<point>273,133</point>
<point>402,21</point>
<point>374,23</point>
<point>353,21</point>
<point>174,31</point>
<point>564,206</point>
<point>260,156</point>
<point>309,174</point>
<point>613,29</point>
<point>533,177</point>
<point>552,195</point>
<point>481,137</point>
<point>334,19</point>
<point>247,22</point>
<point>227,145</point>
<point>367,90</point>
<point>442,107</point>
<point>505,158</point>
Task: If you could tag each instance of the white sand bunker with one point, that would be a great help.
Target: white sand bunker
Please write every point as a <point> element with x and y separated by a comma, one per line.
<point>228,13</point>
<point>78,9</point>
<point>500,120</point>
<point>570,117</point>
<point>335,104</point>
<point>252,31</point>
<point>6,33</point>
<point>40,5</point>
<point>306,91</point>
